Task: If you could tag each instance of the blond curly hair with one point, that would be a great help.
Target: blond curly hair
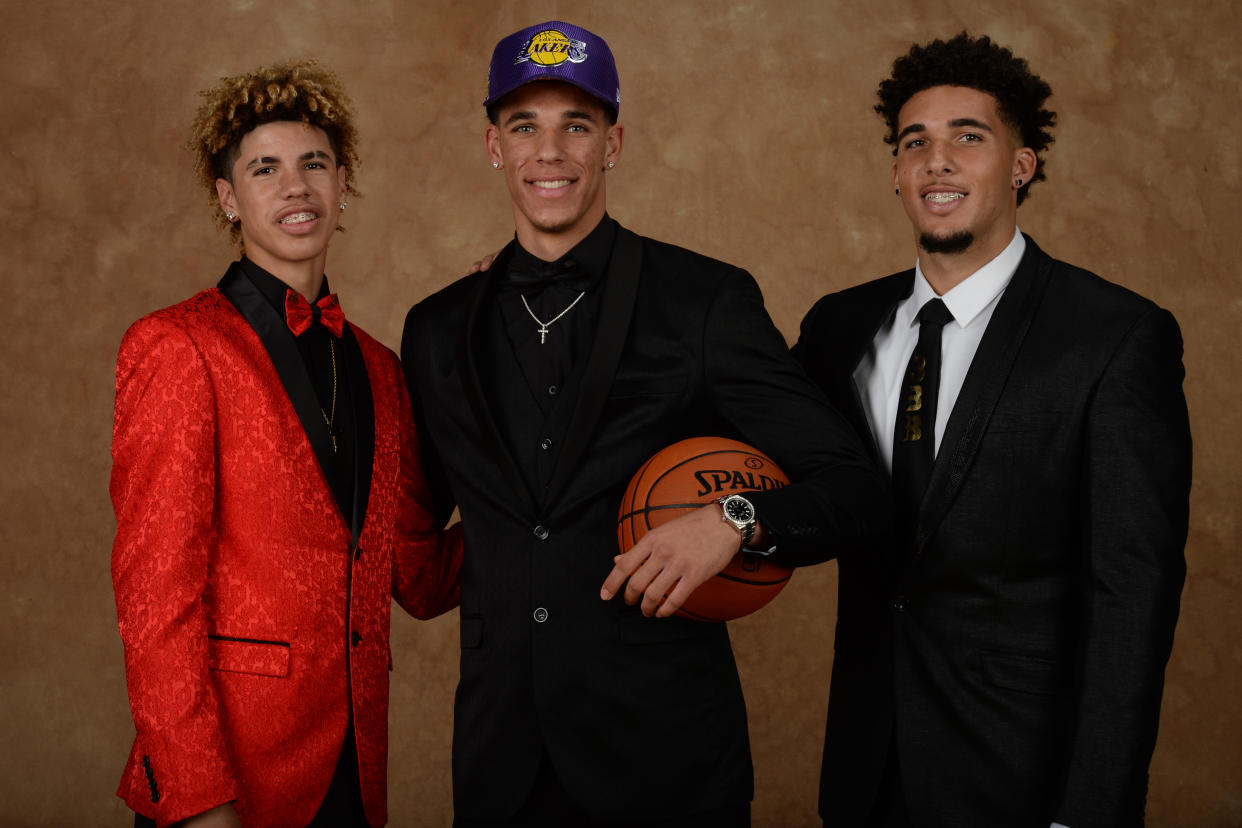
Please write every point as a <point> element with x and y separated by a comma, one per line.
<point>290,91</point>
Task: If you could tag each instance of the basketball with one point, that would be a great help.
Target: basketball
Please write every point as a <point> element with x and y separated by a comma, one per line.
<point>680,479</point>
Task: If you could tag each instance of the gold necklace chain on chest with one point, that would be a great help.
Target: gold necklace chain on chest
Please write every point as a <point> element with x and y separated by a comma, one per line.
<point>543,326</point>
<point>330,418</point>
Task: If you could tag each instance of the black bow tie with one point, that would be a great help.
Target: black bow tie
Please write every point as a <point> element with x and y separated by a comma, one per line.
<point>526,271</point>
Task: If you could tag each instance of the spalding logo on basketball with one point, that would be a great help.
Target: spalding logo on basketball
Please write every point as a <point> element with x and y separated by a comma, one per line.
<point>682,478</point>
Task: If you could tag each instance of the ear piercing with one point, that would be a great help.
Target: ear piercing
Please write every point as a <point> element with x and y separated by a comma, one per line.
<point>495,165</point>
<point>897,192</point>
<point>612,164</point>
<point>1019,182</point>
<point>344,204</point>
<point>230,216</point>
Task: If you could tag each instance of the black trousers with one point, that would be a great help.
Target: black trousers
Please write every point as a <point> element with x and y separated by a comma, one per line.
<point>550,806</point>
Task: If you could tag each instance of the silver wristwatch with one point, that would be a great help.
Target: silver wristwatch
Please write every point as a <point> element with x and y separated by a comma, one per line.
<point>738,511</point>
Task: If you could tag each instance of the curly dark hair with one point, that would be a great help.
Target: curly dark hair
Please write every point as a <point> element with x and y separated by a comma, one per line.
<point>289,91</point>
<point>976,63</point>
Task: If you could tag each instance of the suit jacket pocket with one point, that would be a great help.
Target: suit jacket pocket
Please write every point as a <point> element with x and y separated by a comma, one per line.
<point>249,655</point>
<point>471,632</point>
<point>1025,674</point>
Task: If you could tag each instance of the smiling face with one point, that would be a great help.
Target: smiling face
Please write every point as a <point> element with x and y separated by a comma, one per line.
<point>957,170</point>
<point>286,192</point>
<point>554,143</point>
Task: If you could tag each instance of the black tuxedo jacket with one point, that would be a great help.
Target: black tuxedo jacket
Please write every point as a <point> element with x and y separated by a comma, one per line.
<point>641,718</point>
<point>1016,660</point>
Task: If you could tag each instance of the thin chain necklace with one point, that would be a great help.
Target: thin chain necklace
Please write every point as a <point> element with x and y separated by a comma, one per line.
<point>330,418</point>
<point>543,326</point>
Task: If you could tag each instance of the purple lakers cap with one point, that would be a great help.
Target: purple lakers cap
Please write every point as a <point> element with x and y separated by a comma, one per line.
<point>554,51</point>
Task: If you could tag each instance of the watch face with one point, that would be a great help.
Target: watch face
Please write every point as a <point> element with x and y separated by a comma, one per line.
<point>739,509</point>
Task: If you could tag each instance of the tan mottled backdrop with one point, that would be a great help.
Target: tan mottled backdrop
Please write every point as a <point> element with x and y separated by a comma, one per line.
<point>750,137</point>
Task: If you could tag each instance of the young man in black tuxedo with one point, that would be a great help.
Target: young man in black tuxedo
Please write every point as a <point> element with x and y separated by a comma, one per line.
<point>540,387</point>
<point>1004,665</point>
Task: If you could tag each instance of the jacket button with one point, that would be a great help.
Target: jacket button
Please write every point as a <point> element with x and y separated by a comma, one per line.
<point>541,615</point>
<point>546,443</point>
<point>900,603</point>
<point>552,389</point>
<point>355,637</point>
<point>541,532</point>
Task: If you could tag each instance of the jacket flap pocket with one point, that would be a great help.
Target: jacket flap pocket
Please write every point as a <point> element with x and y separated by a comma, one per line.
<point>1026,674</point>
<point>249,655</point>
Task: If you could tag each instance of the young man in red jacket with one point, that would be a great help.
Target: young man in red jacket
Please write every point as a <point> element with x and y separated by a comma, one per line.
<point>269,496</point>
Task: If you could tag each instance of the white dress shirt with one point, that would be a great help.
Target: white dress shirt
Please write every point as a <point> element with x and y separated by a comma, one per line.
<point>879,374</point>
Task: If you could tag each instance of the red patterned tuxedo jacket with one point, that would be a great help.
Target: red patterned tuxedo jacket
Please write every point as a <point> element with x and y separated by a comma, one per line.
<point>251,616</point>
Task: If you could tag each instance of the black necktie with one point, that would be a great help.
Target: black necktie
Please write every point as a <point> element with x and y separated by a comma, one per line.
<point>914,435</point>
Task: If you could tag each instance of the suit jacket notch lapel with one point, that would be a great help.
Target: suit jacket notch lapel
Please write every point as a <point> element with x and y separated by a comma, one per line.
<point>985,380</point>
<point>860,332</point>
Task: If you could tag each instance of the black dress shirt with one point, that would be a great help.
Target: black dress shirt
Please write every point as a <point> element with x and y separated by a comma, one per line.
<point>320,349</point>
<point>549,288</point>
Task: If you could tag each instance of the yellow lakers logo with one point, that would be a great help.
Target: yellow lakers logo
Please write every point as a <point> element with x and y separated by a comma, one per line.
<point>551,48</point>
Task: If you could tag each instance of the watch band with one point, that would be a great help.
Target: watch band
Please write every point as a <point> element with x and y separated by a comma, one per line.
<point>746,528</point>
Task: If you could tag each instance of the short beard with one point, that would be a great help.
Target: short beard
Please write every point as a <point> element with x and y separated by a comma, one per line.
<point>957,242</point>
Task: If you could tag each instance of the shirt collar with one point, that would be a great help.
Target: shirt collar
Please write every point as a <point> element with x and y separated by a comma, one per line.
<point>974,293</point>
<point>272,288</point>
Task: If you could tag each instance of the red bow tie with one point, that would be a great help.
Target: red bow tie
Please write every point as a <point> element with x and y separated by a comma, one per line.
<point>300,316</point>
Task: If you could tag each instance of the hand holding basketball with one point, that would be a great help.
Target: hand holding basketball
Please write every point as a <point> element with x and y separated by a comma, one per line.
<point>679,554</point>
<point>671,561</point>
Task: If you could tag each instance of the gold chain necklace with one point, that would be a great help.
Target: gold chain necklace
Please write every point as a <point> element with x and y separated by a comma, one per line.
<point>330,419</point>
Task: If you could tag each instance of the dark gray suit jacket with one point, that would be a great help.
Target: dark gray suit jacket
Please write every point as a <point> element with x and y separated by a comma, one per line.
<point>641,718</point>
<point>1017,658</point>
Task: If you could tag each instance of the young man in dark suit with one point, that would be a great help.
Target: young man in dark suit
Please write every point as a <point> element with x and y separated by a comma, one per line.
<point>1004,666</point>
<point>541,386</point>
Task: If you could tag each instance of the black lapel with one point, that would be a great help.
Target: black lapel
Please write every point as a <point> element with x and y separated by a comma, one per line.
<point>986,378</point>
<point>364,427</point>
<point>620,291</point>
<point>860,328</point>
<point>836,336</point>
<point>283,352</point>
<point>467,344</point>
